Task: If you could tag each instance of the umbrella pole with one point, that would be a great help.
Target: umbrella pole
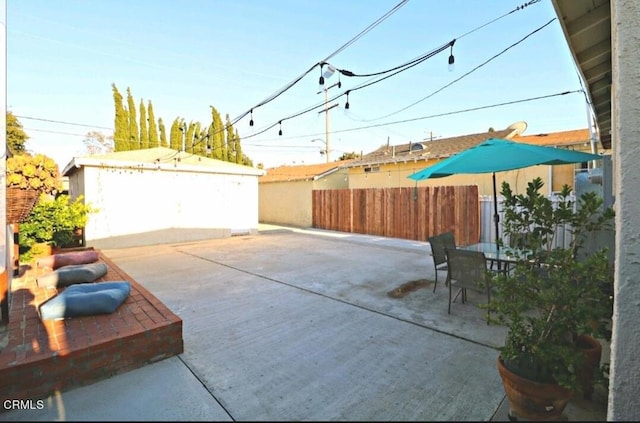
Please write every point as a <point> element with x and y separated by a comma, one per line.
<point>496,217</point>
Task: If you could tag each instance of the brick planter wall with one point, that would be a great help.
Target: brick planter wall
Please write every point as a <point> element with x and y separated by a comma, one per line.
<point>44,356</point>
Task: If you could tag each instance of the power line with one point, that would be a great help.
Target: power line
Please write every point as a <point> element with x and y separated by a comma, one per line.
<point>472,109</point>
<point>389,123</point>
<point>55,132</point>
<point>399,69</point>
<point>427,56</point>
<point>464,75</point>
<point>62,122</point>
<point>367,29</point>
<point>299,78</point>
<point>407,65</point>
<point>414,63</point>
<point>171,156</point>
<point>531,2</point>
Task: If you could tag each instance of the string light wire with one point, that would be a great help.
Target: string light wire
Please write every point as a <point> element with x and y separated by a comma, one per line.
<point>401,68</point>
<point>398,69</point>
<point>464,75</point>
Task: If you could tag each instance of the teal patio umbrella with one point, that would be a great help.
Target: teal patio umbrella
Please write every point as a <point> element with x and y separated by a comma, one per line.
<point>498,155</point>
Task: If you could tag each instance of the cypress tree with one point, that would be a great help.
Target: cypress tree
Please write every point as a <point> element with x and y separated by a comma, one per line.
<point>199,140</point>
<point>210,139</point>
<point>247,161</point>
<point>239,156</point>
<point>121,122</point>
<point>188,139</point>
<point>134,137</point>
<point>216,136</point>
<point>163,134</point>
<point>153,129</point>
<point>206,144</point>
<point>231,142</point>
<point>144,134</point>
<point>176,134</point>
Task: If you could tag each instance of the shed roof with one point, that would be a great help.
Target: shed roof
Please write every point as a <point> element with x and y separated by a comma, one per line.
<point>159,158</point>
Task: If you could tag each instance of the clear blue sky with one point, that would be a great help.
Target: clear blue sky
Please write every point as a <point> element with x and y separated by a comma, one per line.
<point>63,56</point>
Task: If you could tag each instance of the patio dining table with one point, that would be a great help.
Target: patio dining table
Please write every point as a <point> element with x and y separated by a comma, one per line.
<point>503,256</point>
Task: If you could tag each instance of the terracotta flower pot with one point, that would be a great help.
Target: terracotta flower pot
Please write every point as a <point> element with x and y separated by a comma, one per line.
<point>531,400</point>
<point>593,353</point>
<point>41,249</point>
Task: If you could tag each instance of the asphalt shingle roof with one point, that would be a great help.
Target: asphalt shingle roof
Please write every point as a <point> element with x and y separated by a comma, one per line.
<point>300,172</point>
<point>423,151</point>
<point>564,138</point>
<point>428,149</point>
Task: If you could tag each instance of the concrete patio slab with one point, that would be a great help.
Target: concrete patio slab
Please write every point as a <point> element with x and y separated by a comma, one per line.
<point>294,324</point>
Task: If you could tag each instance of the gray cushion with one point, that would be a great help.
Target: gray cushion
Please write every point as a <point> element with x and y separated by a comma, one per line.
<point>74,273</point>
<point>85,300</point>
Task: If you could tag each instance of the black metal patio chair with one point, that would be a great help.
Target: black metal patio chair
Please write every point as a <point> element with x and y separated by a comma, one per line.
<point>439,243</point>
<point>467,270</point>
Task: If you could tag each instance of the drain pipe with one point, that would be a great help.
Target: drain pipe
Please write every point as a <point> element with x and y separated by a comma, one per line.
<point>592,136</point>
<point>594,178</point>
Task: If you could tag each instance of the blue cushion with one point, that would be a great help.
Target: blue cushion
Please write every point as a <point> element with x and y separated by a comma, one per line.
<point>72,274</point>
<point>85,300</point>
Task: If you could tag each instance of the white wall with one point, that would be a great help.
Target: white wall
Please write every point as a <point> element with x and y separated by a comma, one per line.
<point>137,201</point>
<point>624,387</point>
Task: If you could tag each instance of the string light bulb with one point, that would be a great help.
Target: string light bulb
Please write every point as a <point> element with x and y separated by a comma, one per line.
<point>321,80</point>
<point>346,106</point>
<point>251,120</point>
<point>452,60</point>
<point>280,130</point>
<point>325,74</point>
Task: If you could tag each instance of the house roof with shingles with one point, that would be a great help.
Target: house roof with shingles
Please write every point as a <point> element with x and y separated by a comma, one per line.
<point>449,146</point>
<point>563,138</point>
<point>159,158</point>
<point>424,150</point>
<point>301,172</point>
<point>427,149</point>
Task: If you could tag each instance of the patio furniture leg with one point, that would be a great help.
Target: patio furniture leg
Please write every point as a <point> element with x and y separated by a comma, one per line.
<point>460,291</point>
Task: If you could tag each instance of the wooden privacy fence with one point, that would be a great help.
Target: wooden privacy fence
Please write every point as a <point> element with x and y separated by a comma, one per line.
<point>409,213</point>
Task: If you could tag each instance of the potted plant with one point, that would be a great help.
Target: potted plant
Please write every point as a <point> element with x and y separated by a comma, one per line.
<point>27,177</point>
<point>52,223</point>
<point>38,173</point>
<point>556,297</point>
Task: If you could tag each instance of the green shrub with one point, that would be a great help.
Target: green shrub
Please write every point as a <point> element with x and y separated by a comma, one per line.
<point>52,221</point>
<point>555,294</point>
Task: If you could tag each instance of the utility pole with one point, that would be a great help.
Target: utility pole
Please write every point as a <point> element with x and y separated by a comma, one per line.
<point>326,116</point>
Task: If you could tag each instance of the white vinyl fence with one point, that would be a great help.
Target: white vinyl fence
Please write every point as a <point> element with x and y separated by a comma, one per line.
<point>488,228</point>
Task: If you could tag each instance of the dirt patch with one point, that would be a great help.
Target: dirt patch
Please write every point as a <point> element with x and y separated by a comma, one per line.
<point>408,287</point>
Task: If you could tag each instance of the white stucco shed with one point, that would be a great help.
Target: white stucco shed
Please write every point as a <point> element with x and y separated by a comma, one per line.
<point>161,195</point>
